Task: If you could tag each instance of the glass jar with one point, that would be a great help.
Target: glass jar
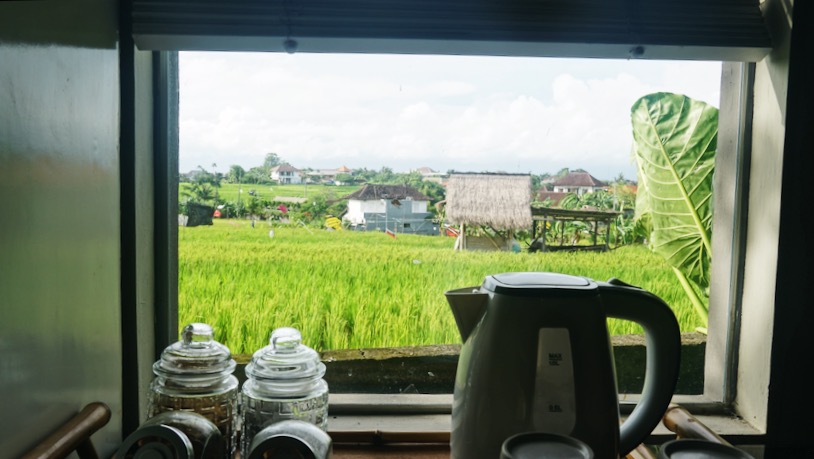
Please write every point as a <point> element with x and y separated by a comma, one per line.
<point>196,374</point>
<point>283,382</point>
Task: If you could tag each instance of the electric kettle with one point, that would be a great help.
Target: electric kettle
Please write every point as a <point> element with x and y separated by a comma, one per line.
<point>536,356</point>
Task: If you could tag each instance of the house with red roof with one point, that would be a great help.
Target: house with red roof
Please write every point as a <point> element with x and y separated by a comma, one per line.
<point>579,183</point>
<point>286,174</point>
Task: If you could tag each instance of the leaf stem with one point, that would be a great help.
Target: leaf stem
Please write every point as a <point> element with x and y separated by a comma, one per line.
<point>700,309</point>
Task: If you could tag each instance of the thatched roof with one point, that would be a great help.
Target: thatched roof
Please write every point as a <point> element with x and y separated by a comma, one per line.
<point>502,201</point>
<point>376,192</point>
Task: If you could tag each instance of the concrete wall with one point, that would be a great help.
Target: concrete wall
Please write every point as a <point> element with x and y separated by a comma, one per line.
<point>60,328</point>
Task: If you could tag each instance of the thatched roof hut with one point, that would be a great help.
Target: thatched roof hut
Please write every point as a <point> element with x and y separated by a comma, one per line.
<point>498,201</point>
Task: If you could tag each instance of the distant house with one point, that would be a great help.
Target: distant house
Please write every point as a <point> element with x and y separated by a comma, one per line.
<point>579,183</point>
<point>397,208</point>
<point>285,174</point>
<point>424,170</point>
<point>192,175</point>
<point>553,197</point>
<point>328,175</point>
<point>431,175</point>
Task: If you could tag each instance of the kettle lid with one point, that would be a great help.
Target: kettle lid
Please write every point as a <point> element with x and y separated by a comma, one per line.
<point>539,284</point>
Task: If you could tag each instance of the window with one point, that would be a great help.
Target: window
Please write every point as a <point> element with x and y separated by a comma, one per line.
<point>734,166</point>
<point>626,80</point>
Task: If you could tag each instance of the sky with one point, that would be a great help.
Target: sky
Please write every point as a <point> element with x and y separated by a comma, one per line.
<point>463,113</point>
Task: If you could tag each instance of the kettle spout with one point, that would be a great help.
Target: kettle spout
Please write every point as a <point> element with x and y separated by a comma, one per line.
<point>468,306</point>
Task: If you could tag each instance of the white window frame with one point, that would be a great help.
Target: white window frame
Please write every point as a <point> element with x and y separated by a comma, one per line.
<point>722,347</point>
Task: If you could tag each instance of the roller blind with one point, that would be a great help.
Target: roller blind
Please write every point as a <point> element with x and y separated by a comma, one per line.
<point>729,30</point>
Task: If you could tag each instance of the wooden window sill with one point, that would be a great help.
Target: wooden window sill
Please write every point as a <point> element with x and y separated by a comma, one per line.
<point>344,451</point>
<point>370,425</point>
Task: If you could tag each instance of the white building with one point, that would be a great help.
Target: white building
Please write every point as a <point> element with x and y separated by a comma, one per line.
<point>579,183</point>
<point>398,208</point>
<point>328,175</point>
<point>286,174</point>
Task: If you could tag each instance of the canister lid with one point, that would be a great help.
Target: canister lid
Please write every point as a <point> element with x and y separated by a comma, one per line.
<point>285,359</point>
<point>291,438</point>
<point>197,354</point>
<point>690,448</point>
<point>533,445</point>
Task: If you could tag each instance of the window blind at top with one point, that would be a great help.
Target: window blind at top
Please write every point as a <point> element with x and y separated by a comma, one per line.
<point>729,30</point>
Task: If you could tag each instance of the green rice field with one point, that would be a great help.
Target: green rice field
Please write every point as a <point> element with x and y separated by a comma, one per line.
<point>345,289</point>
<point>230,191</point>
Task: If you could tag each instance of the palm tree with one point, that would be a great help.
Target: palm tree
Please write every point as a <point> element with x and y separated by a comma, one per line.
<point>202,192</point>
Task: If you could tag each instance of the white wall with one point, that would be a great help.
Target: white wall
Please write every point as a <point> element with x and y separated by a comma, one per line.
<point>357,210</point>
<point>765,183</point>
<point>419,206</point>
<point>355,214</point>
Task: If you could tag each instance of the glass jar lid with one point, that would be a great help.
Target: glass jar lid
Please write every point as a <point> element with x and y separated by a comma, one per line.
<point>285,359</point>
<point>197,354</point>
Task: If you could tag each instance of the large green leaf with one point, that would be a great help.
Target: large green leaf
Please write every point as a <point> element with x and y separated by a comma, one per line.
<point>675,138</point>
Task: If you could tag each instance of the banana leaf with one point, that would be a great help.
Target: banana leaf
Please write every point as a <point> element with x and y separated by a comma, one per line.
<point>675,139</point>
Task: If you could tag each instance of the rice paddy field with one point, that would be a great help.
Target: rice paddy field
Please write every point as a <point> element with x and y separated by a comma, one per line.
<point>346,289</point>
<point>230,191</point>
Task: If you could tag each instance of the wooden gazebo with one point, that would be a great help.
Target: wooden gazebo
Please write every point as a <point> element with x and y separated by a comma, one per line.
<point>499,204</point>
<point>552,215</point>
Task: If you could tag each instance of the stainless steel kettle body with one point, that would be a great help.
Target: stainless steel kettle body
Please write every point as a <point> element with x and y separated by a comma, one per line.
<point>537,357</point>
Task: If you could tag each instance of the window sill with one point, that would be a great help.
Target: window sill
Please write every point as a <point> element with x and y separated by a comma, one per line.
<point>382,419</point>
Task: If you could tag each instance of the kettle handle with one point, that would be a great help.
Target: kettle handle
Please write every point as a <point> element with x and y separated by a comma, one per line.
<point>663,340</point>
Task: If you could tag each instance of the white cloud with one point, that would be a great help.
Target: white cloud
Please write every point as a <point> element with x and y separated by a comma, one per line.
<point>403,112</point>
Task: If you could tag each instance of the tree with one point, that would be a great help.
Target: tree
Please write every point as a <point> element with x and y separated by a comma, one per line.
<point>385,175</point>
<point>599,199</point>
<point>345,178</point>
<point>624,196</point>
<point>254,206</point>
<point>201,192</point>
<point>218,178</point>
<point>435,191</point>
<point>271,160</point>
<point>364,175</point>
<point>537,181</point>
<point>235,174</point>
<point>257,175</point>
<point>206,179</point>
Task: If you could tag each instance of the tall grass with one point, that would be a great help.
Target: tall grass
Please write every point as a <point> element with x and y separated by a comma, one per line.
<point>346,289</point>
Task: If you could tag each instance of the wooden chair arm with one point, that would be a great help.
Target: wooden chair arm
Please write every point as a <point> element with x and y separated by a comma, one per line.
<point>685,425</point>
<point>641,452</point>
<point>74,435</point>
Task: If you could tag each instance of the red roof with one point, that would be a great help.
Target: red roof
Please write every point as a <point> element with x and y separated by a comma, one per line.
<point>579,179</point>
<point>554,196</point>
<point>284,168</point>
